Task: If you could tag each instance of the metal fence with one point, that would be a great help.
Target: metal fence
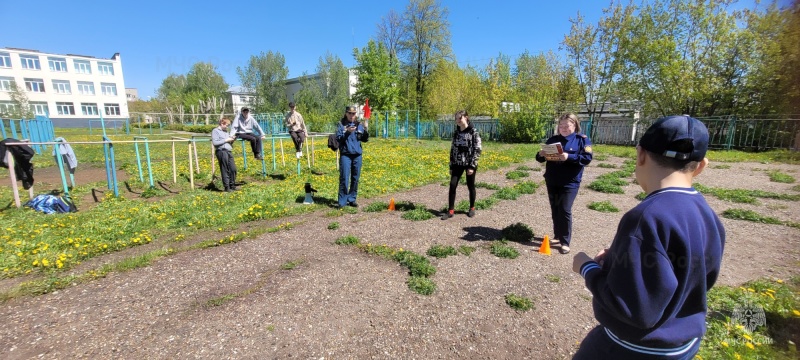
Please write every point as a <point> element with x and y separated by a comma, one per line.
<point>724,132</point>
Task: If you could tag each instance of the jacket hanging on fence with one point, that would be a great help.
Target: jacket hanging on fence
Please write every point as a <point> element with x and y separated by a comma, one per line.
<point>22,160</point>
<point>66,153</point>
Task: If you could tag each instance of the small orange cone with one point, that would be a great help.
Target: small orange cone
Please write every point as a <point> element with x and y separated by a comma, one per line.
<point>545,247</point>
<point>391,205</point>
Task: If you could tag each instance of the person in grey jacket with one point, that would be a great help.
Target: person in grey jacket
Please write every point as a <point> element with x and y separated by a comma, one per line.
<point>246,127</point>
<point>464,154</point>
<point>222,145</point>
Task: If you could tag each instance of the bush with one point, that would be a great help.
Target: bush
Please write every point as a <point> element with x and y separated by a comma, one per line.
<point>518,232</point>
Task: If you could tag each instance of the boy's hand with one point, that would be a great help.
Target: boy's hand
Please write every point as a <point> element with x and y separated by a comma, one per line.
<point>578,261</point>
<point>470,172</point>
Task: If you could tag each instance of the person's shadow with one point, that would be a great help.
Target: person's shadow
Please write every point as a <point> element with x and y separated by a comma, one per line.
<point>482,233</point>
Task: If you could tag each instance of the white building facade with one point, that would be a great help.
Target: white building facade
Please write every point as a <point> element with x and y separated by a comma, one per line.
<point>67,88</point>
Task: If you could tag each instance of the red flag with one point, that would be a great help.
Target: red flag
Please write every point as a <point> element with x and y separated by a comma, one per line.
<point>366,109</point>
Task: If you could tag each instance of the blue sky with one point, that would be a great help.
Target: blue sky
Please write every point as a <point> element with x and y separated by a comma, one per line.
<point>156,38</point>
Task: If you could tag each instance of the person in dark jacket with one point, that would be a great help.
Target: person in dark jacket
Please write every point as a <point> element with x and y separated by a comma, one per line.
<point>563,174</point>
<point>350,133</point>
<point>464,154</point>
<point>649,287</point>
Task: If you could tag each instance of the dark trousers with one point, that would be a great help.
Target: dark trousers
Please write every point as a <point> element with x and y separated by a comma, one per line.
<point>455,177</point>
<point>598,346</point>
<point>561,199</point>
<point>227,168</point>
<point>298,137</point>
<point>255,142</point>
<point>349,173</point>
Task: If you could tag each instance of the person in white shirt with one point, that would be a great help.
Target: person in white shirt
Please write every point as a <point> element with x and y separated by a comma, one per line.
<point>246,127</point>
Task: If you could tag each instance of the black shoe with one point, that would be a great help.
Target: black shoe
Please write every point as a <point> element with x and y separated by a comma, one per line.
<point>234,188</point>
<point>229,190</point>
<point>471,212</point>
<point>259,157</point>
<point>353,204</point>
<point>447,215</point>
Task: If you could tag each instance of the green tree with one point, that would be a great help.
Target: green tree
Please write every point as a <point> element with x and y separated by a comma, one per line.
<point>21,107</point>
<point>265,76</point>
<point>378,77</point>
<point>426,39</point>
<point>172,89</point>
<point>324,95</point>
<point>203,78</point>
<point>497,86</point>
<point>450,89</point>
<point>390,33</point>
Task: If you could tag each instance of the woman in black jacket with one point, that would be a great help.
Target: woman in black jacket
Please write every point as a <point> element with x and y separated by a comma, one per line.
<point>464,154</point>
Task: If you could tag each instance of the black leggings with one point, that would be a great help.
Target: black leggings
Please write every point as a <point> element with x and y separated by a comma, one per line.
<point>455,177</point>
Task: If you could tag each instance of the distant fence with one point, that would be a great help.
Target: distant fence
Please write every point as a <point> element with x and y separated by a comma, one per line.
<point>39,129</point>
<point>724,132</point>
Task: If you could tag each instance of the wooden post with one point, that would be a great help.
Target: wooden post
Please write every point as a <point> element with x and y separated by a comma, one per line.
<point>283,159</point>
<point>196,160</point>
<point>308,155</point>
<point>13,176</point>
<point>191,167</point>
<point>174,167</point>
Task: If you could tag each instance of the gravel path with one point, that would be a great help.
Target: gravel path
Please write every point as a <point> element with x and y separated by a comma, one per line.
<point>340,303</point>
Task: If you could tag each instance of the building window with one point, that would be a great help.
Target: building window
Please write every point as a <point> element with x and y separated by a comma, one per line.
<point>7,108</point>
<point>57,64</point>
<point>34,85</point>
<point>105,68</point>
<point>83,67</point>
<point>30,62</point>
<point>89,109</point>
<point>5,83</point>
<point>61,87</point>
<point>112,109</point>
<point>108,89</point>
<point>65,108</point>
<point>85,87</point>
<point>5,60</point>
<point>39,108</point>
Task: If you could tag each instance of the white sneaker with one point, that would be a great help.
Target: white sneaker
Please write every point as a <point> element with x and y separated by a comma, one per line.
<point>299,154</point>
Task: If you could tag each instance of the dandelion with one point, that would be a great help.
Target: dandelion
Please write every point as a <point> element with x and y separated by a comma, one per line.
<point>779,281</point>
<point>724,344</point>
<point>750,346</point>
<point>795,312</point>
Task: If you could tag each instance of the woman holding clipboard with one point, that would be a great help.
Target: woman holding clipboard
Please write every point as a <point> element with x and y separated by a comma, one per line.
<point>563,173</point>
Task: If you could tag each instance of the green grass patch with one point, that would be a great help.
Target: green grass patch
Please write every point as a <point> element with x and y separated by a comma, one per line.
<point>219,301</point>
<point>552,278</point>
<point>721,166</point>
<point>466,250</point>
<point>421,285</point>
<point>516,174</point>
<point>289,265</point>
<point>502,250</point>
<point>524,168</point>
<point>404,206</point>
<point>378,206</point>
<point>519,303</point>
<point>606,187</point>
<point>726,338</point>
<point>606,166</point>
<point>743,195</point>
<point>487,186</point>
<point>777,176</point>
<point>440,251</point>
<point>418,214</point>
<point>518,232</point>
<point>641,196</point>
<point>599,157</point>
<point>750,215</point>
<point>507,193</point>
<point>603,206</point>
<point>333,226</point>
<point>347,240</point>
<point>526,187</point>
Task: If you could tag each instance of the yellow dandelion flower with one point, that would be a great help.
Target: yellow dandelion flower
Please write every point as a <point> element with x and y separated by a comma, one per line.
<point>751,290</point>
<point>779,281</point>
<point>749,345</point>
<point>796,313</point>
<point>724,344</point>
<point>737,356</point>
<point>748,337</point>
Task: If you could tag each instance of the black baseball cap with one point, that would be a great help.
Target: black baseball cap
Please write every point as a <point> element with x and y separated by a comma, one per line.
<point>680,137</point>
<point>245,109</point>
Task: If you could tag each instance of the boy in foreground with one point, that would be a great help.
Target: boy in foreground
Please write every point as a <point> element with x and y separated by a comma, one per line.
<point>222,145</point>
<point>649,287</point>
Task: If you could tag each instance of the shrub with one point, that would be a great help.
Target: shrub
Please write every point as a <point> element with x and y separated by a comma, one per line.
<point>518,232</point>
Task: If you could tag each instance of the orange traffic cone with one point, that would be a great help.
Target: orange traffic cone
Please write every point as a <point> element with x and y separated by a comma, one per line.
<point>545,247</point>
<point>391,205</point>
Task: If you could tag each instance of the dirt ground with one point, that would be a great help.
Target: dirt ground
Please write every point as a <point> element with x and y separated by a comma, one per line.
<point>340,303</point>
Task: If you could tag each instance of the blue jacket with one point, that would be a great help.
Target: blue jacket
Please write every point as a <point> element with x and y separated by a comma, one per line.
<point>350,142</point>
<point>568,173</point>
<point>651,288</point>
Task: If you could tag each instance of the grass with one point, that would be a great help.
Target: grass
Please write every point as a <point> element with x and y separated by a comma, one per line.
<point>603,206</point>
<point>743,195</point>
<point>750,215</point>
<point>721,166</point>
<point>333,226</point>
<point>777,176</point>
<point>118,223</point>
<point>612,183</point>
<point>606,166</point>
<point>518,303</point>
<point>516,174</point>
<point>466,250</point>
<point>347,240</point>
<point>487,186</point>
<point>418,214</point>
<point>377,206</point>
<point>641,196</point>
<point>502,250</point>
<point>440,251</point>
<point>289,265</point>
<point>552,278</point>
<point>726,338</point>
